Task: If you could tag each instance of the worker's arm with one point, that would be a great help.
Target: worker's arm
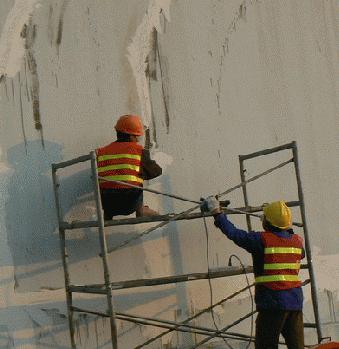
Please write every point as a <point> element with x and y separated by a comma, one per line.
<point>251,241</point>
<point>150,169</point>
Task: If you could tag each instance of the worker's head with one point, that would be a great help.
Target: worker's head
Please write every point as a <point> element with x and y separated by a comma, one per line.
<point>277,216</point>
<point>129,128</point>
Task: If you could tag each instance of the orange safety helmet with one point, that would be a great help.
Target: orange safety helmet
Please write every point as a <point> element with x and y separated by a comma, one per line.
<point>130,124</point>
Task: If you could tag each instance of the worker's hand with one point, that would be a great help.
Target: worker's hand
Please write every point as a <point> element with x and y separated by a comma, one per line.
<point>210,204</point>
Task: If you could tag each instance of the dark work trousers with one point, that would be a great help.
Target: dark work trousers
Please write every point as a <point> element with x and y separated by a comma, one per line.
<point>271,323</point>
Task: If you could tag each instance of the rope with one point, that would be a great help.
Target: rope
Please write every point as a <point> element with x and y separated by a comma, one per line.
<point>171,219</point>
<point>251,179</point>
<point>126,242</point>
<point>218,331</point>
<point>241,184</point>
<point>150,190</point>
<point>194,316</point>
<point>249,289</point>
<point>210,283</point>
<point>224,329</point>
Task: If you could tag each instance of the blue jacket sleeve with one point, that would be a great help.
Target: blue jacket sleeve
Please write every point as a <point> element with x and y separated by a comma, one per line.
<point>251,241</point>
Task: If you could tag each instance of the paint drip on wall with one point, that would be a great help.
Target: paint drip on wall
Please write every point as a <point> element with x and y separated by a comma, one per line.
<point>140,48</point>
<point>12,45</point>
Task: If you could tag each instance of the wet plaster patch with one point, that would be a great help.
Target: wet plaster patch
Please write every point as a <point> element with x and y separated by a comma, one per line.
<point>12,48</point>
<point>16,42</point>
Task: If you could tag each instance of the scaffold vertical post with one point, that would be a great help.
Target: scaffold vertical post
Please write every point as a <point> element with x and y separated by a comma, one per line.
<point>64,257</point>
<point>244,190</point>
<point>103,246</point>
<point>307,243</point>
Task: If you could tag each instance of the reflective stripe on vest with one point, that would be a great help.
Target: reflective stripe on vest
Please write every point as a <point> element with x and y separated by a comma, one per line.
<point>292,250</point>
<point>279,266</point>
<point>120,161</point>
<point>275,278</point>
<point>118,167</point>
<point>281,263</point>
<point>124,178</point>
<point>118,156</point>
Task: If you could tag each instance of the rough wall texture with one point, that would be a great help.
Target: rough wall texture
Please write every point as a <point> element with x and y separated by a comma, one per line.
<point>211,79</point>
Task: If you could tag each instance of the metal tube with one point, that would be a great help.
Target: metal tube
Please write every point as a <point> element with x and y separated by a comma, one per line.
<point>170,323</point>
<point>310,325</point>
<point>163,324</point>
<point>266,151</point>
<point>195,316</point>
<point>126,242</point>
<point>244,191</point>
<point>241,184</point>
<point>307,244</point>
<point>67,163</point>
<point>103,246</point>
<point>264,173</point>
<point>167,217</point>
<point>224,329</point>
<point>213,274</point>
<point>64,258</point>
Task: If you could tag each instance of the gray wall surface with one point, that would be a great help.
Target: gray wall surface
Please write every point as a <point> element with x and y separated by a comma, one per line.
<point>211,79</point>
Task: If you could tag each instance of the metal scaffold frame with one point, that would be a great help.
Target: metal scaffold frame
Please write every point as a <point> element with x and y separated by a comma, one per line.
<point>108,286</point>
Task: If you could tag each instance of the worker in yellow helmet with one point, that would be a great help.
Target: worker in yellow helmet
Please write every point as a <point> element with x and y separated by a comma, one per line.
<point>126,161</point>
<point>276,254</point>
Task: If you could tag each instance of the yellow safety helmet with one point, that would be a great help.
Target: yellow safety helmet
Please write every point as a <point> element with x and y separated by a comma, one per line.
<point>278,214</point>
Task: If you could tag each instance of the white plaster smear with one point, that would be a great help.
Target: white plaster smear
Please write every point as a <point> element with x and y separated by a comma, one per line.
<point>162,159</point>
<point>139,49</point>
<point>11,44</point>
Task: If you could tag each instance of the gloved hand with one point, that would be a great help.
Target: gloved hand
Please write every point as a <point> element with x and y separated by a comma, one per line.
<point>210,204</point>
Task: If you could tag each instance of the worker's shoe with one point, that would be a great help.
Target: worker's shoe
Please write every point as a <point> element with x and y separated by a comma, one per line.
<point>146,211</point>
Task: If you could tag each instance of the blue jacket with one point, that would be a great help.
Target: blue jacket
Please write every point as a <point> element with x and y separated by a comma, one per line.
<point>265,298</point>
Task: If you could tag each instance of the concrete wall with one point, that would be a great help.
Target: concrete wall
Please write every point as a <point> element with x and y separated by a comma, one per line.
<point>212,80</point>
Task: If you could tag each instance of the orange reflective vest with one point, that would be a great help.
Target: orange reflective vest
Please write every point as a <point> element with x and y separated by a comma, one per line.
<point>120,161</point>
<point>281,261</point>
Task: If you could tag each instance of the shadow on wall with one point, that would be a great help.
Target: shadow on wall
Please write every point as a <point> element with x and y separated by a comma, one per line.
<point>31,219</point>
<point>48,325</point>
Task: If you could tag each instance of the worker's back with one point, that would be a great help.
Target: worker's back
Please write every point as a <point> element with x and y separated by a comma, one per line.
<point>119,161</point>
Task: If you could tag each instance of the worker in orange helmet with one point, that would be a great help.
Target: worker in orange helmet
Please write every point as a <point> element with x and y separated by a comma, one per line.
<point>126,161</point>
<point>276,254</point>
